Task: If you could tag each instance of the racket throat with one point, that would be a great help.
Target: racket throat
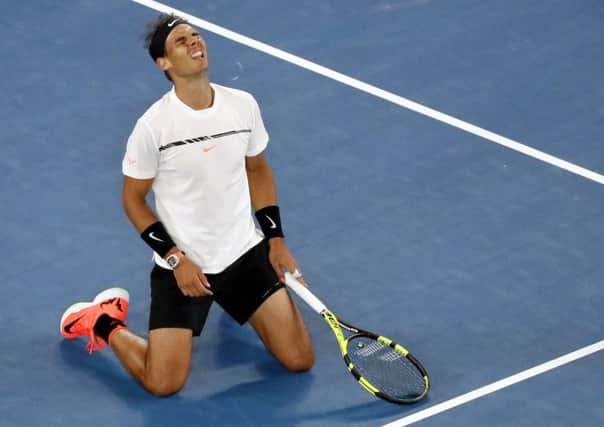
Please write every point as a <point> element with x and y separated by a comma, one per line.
<point>334,324</point>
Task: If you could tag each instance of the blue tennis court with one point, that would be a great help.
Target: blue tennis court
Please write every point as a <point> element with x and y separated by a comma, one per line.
<point>483,259</point>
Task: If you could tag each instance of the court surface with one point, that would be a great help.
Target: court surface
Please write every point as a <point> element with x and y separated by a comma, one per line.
<point>483,260</point>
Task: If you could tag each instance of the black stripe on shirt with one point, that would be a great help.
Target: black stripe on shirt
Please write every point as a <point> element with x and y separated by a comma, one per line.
<point>203,138</point>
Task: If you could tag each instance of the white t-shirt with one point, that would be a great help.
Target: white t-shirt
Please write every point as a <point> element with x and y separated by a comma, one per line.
<point>197,160</point>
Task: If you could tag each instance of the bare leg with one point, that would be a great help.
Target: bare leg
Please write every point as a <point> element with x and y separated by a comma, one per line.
<point>161,364</point>
<point>280,326</point>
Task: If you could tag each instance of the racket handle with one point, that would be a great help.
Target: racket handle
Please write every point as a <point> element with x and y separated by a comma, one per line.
<point>304,293</point>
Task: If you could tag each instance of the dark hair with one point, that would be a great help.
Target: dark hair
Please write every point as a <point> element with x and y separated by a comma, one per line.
<point>157,32</point>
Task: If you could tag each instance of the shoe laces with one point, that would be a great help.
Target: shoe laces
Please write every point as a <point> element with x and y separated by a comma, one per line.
<point>94,344</point>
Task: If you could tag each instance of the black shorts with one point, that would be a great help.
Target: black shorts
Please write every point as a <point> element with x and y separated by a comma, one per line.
<point>240,289</point>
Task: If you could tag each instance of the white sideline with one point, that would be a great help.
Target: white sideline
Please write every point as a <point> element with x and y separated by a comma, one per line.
<point>498,385</point>
<point>380,93</point>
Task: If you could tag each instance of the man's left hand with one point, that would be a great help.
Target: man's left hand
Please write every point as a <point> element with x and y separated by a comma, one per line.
<point>281,259</point>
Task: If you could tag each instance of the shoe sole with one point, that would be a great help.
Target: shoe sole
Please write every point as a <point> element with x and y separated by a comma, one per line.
<point>102,296</point>
<point>112,293</point>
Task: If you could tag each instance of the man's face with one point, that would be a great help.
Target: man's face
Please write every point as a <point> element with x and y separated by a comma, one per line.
<point>186,52</point>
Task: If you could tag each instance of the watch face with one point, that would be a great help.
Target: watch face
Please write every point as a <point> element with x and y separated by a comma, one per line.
<point>172,260</point>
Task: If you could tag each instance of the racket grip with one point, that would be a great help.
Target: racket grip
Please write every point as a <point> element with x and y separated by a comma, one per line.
<point>304,293</point>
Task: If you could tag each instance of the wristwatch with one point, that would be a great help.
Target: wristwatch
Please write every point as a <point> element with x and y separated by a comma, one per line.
<point>173,260</point>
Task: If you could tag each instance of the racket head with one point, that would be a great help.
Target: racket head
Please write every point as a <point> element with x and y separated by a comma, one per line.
<point>386,369</point>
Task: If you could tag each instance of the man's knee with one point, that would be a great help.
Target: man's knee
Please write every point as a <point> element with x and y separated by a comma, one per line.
<point>167,362</point>
<point>164,388</point>
<point>299,361</point>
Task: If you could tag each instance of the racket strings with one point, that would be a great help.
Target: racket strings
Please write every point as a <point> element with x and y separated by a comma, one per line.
<point>385,368</point>
<point>375,347</point>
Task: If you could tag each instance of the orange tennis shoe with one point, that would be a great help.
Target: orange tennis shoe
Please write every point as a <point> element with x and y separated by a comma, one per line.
<point>79,319</point>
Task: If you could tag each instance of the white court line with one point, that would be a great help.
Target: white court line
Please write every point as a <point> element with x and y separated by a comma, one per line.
<point>380,93</point>
<point>506,382</point>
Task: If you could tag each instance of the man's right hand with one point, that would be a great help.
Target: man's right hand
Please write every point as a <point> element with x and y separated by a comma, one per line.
<point>191,280</point>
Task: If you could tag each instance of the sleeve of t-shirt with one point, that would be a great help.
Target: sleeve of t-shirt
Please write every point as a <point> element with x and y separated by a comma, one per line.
<point>258,136</point>
<point>142,156</point>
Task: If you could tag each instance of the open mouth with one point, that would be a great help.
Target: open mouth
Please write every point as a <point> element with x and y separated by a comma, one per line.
<point>198,55</point>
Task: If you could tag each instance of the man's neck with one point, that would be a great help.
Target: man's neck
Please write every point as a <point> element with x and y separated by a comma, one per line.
<point>196,93</point>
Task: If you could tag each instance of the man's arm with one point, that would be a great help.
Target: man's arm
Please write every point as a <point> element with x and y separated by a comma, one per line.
<point>263,193</point>
<point>135,204</point>
<point>261,182</point>
<point>191,280</point>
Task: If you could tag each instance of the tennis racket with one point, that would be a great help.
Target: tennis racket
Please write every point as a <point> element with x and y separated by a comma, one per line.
<point>381,366</point>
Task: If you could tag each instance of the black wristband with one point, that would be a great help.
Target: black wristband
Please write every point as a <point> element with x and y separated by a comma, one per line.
<point>270,221</point>
<point>158,239</point>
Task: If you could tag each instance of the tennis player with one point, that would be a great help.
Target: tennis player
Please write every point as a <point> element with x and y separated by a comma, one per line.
<point>200,149</point>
